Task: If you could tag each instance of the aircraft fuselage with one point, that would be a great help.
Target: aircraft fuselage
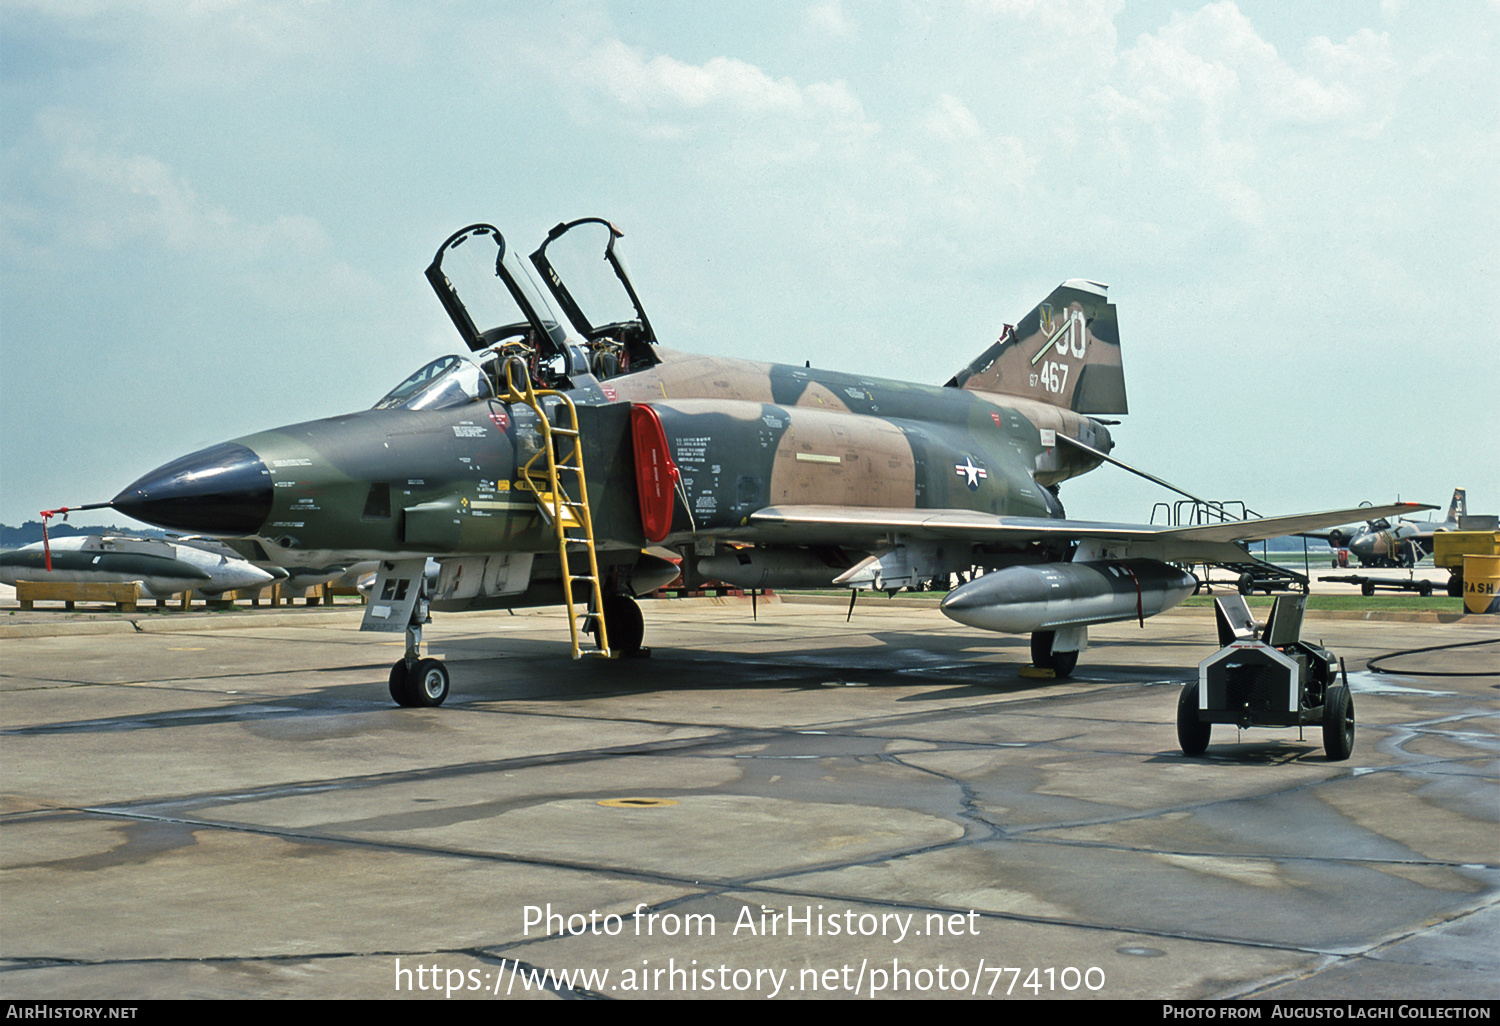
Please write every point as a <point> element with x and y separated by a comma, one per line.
<point>398,483</point>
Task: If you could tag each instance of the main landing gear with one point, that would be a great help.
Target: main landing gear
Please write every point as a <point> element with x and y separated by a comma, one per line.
<point>626,626</point>
<point>1062,664</point>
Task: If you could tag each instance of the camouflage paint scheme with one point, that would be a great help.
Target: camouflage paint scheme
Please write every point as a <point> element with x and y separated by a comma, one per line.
<point>816,469</point>
<point>1379,543</point>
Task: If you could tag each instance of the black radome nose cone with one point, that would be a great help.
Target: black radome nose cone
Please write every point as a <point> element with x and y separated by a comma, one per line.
<point>224,489</point>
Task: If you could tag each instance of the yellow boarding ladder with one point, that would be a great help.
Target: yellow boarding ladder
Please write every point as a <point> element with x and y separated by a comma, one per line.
<point>570,519</point>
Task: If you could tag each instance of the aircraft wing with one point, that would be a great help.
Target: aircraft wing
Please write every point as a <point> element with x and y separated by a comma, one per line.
<point>1218,542</point>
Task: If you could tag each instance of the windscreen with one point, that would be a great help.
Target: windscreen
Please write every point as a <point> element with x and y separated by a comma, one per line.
<point>445,382</point>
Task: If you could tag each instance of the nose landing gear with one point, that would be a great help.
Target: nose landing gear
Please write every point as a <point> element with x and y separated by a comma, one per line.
<point>398,600</point>
<point>423,684</point>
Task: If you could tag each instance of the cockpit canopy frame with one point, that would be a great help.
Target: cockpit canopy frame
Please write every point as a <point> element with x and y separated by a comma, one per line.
<point>548,332</point>
<point>593,328</point>
<point>613,337</point>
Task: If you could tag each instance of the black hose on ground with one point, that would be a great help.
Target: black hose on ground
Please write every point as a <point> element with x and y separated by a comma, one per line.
<point>1433,673</point>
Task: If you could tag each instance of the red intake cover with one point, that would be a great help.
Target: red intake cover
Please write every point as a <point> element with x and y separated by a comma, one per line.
<point>655,473</point>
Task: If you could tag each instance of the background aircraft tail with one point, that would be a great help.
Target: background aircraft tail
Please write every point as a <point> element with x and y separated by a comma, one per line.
<point>1066,352</point>
<point>1459,507</point>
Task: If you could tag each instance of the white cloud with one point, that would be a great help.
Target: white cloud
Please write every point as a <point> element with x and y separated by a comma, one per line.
<point>1214,61</point>
<point>951,121</point>
<point>116,198</point>
<point>723,84</point>
<point>1082,18</point>
<point>1225,117</point>
<point>729,112</point>
<point>830,19</point>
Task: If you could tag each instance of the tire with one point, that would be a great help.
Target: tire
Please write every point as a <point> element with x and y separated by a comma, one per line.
<point>1062,664</point>
<point>427,684</point>
<point>1425,589</point>
<point>626,626</point>
<point>1192,736</point>
<point>1338,723</point>
<point>1041,649</point>
<point>398,683</point>
<point>1367,589</point>
<point>1246,584</point>
<point>1456,585</point>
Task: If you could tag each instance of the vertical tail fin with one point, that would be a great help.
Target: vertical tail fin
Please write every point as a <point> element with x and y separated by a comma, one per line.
<point>1066,352</point>
<point>1459,507</point>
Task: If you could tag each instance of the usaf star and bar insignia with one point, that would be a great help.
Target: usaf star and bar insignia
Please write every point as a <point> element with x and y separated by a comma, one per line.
<point>972,472</point>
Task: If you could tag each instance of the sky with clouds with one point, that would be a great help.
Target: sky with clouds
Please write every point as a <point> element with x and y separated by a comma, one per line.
<point>214,214</point>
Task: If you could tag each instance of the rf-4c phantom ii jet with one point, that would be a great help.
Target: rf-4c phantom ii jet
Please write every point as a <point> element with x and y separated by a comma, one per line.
<point>538,469</point>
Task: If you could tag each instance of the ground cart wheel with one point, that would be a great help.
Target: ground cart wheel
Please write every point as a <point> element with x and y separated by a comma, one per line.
<point>1192,736</point>
<point>1338,723</point>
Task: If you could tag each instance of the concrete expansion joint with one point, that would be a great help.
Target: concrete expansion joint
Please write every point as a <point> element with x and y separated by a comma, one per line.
<point>916,785</point>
